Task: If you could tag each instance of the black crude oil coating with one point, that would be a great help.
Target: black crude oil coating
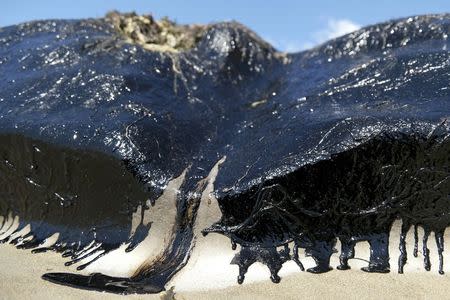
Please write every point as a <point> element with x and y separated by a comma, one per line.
<point>336,142</point>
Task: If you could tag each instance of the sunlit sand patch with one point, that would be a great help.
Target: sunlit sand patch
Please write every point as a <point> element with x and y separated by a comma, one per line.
<point>209,267</point>
<point>6,222</point>
<point>12,224</point>
<point>21,233</point>
<point>162,218</point>
<point>48,242</point>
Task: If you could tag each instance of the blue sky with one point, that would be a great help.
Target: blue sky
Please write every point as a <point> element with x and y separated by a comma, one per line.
<point>289,25</point>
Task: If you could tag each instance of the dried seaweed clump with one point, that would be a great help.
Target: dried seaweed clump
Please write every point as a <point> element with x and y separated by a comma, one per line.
<point>163,35</point>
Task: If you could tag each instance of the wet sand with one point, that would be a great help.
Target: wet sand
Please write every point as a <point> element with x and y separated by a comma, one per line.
<point>20,278</point>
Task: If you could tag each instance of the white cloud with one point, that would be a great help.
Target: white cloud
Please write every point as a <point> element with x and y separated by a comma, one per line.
<point>334,29</point>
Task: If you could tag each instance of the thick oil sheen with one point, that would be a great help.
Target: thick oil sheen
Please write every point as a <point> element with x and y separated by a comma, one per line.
<point>335,142</point>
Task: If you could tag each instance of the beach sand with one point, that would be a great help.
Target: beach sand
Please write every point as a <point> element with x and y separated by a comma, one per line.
<point>20,277</point>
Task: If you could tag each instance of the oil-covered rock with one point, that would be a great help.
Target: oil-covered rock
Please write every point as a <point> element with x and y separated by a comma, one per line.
<point>98,117</point>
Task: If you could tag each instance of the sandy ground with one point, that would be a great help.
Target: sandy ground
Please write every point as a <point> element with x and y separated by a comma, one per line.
<point>209,275</point>
<point>20,279</point>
